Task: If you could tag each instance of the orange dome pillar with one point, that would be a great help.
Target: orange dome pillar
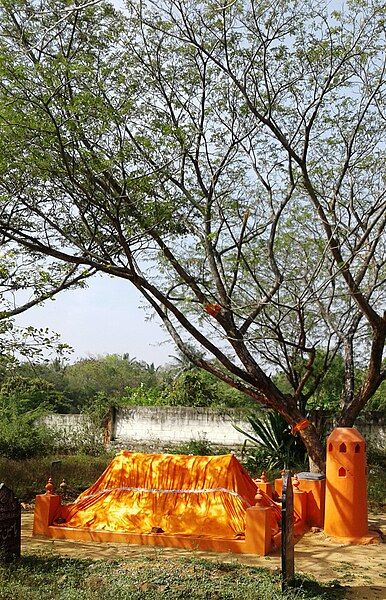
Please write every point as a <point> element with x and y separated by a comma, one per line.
<point>346,486</point>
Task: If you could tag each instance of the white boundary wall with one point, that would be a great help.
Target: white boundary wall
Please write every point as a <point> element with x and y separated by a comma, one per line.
<point>179,424</point>
<point>147,424</point>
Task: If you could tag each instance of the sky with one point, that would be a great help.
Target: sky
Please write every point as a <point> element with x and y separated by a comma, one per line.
<point>104,318</point>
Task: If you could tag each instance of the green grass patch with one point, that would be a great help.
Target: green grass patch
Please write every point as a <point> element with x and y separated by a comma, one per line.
<point>26,478</point>
<point>37,576</point>
<point>376,488</point>
<point>376,460</point>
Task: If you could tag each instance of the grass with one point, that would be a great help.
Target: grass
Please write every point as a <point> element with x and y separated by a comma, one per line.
<point>37,576</point>
<point>26,478</point>
<point>44,575</point>
<point>376,479</point>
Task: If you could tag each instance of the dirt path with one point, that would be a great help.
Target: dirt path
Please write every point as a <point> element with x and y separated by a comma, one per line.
<point>361,568</point>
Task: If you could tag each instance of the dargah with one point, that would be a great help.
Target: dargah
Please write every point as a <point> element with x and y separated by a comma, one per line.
<point>210,502</point>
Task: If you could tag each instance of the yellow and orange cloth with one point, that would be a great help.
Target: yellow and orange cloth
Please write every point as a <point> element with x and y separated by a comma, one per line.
<point>178,494</point>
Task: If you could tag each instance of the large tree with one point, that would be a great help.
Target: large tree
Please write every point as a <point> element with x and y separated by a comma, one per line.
<point>27,281</point>
<point>225,158</point>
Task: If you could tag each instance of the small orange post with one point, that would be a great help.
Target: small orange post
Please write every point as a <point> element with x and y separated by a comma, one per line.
<point>278,486</point>
<point>46,507</point>
<point>264,485</point>
<point>346,487</point>
<point>315,490</point>
<point>258,531</point>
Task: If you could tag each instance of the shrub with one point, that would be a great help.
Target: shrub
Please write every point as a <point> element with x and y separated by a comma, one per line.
<point>28,477</point>
<point>272,437</point>
<point>197,447</point>
<point>21,437</point>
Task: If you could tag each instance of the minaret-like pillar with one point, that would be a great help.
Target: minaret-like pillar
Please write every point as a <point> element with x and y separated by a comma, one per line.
<point>346,487</point>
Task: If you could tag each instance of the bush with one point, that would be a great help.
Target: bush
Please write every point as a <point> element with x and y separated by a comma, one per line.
<point>254,460</point>
<point>273,442</point>
<point>28,477</point>
<point>21,437</point>
<point>141,396</point>
<point>197,447</point>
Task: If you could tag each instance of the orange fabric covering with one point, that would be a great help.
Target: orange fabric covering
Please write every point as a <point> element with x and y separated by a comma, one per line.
<point>200,495</point>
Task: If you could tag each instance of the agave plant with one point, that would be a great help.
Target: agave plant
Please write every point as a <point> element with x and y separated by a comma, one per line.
<point>272,433</point>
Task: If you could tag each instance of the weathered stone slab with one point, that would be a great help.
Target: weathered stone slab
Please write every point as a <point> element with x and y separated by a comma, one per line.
<point>10,524</point>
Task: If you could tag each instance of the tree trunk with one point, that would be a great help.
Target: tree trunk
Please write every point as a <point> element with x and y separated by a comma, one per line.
<point>349,377</point>
<point>315,449</point>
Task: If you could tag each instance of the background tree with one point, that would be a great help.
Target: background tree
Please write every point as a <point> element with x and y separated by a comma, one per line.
<point>227,159</point>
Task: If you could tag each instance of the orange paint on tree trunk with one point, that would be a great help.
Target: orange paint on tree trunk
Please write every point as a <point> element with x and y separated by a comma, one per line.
<point>212,309</point>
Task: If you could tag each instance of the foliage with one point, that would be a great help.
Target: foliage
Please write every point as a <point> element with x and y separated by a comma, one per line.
<point>28,343</point>
<point>280,449</point>
<point>376,469</point>
<point>83,385</point>
<point>143,396</point>
<point>109,375</point>
<point>194,387</point>
<point>152,576</point>
<point>97,383</point>
<point>200,447</point>
<point>27,280</point>
<point>23,401</point>
<point>21,436</point>
<point>255,461</point>
<point>28,477</point>
<point>228,161</point>
<point>29,394</point>
<point>378,401</point>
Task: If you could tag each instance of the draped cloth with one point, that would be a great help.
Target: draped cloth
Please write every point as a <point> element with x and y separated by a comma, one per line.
<point>174,494</point>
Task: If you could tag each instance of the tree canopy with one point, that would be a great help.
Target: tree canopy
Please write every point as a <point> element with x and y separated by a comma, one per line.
<point>27,280</point>
<point>225,158</point>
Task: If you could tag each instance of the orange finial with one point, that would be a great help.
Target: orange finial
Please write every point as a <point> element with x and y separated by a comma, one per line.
<point>258,498</point>
<point>49,486</point>
<point>263,476</point>
<point>296,482</point>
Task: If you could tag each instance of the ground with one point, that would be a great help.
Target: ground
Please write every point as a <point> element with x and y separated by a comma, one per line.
<point>360,569</point>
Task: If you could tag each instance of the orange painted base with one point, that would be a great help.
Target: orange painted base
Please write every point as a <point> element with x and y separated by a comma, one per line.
<point>260,535</point>
<point>151,539</point>
<point>258,538</point>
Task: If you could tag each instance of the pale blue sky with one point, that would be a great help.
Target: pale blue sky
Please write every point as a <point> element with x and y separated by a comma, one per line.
<point>104,318</point>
